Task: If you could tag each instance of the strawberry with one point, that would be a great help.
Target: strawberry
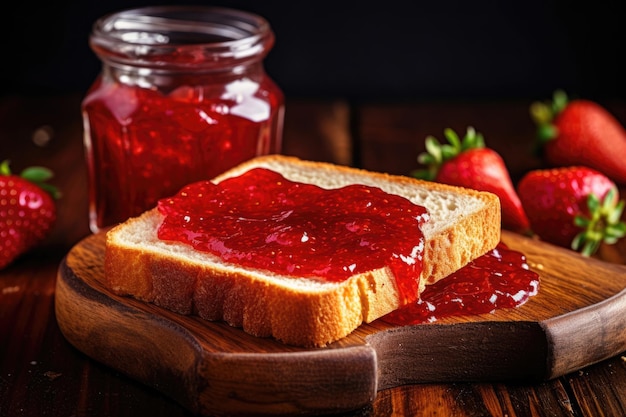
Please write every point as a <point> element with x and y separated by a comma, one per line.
<point>580,132</point>
<point>27,210</point>
<point>468,163</point>
<point>575,207</point>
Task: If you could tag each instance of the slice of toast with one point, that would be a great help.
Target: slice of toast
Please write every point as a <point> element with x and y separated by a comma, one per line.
<point>464,224</point>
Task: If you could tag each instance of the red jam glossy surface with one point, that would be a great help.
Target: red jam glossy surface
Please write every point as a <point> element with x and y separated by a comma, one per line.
<point>261,220</point>
<point>499,279</point>
<point>145,144</point>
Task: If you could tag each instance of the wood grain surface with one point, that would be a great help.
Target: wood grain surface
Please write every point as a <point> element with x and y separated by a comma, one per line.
<point>575,320</point>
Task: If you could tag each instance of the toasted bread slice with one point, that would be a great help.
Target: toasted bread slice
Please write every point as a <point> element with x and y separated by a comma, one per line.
<point>464,224</point>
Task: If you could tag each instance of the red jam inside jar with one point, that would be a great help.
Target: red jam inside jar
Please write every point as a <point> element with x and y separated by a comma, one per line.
<point>264,221</point>
<point>499,279</point>
<point>175,103</point>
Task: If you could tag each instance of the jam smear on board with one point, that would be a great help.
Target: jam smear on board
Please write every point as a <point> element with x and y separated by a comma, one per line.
<point>499,279</point>
<point>264,221</point>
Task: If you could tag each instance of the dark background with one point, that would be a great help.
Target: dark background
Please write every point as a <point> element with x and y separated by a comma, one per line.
<point>364,50</point>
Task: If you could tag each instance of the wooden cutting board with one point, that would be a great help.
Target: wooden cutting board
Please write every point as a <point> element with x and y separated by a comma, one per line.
<point>578,318</point>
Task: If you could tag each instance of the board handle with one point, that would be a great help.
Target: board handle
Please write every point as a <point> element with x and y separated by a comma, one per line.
<point>568,335</point>
<point>479,351</point>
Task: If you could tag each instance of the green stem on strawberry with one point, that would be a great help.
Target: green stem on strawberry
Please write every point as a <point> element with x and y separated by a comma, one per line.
<point>436,154</point>
<point>36,174</point>
<point>4,168</point>
<point>543,114</point>
<point>602,225</point>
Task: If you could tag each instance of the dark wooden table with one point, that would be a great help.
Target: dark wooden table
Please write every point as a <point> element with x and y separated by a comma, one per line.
<point>42,374</point>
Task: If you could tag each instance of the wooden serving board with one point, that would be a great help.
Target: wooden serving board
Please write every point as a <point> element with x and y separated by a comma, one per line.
<point>578,318</point>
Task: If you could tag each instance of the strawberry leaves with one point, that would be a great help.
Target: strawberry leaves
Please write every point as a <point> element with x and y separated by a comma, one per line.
<point>436,154</point>
<point>543,113</point>
<point>37,175</point>
<point>602,225</point>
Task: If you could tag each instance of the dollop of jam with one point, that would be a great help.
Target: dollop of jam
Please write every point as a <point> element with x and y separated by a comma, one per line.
<point>264,221</point>
<point>499,279</point>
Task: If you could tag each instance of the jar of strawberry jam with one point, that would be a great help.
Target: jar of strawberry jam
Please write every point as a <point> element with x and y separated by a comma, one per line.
<point>182,96</point>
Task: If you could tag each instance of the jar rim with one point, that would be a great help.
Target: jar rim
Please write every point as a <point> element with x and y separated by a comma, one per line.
<point>195,35</point>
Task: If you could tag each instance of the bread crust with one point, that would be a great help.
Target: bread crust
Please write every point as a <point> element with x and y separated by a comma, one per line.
<point>296,311</point>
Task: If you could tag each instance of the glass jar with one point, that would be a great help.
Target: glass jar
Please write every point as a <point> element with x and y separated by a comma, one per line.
<point>182,96</point>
